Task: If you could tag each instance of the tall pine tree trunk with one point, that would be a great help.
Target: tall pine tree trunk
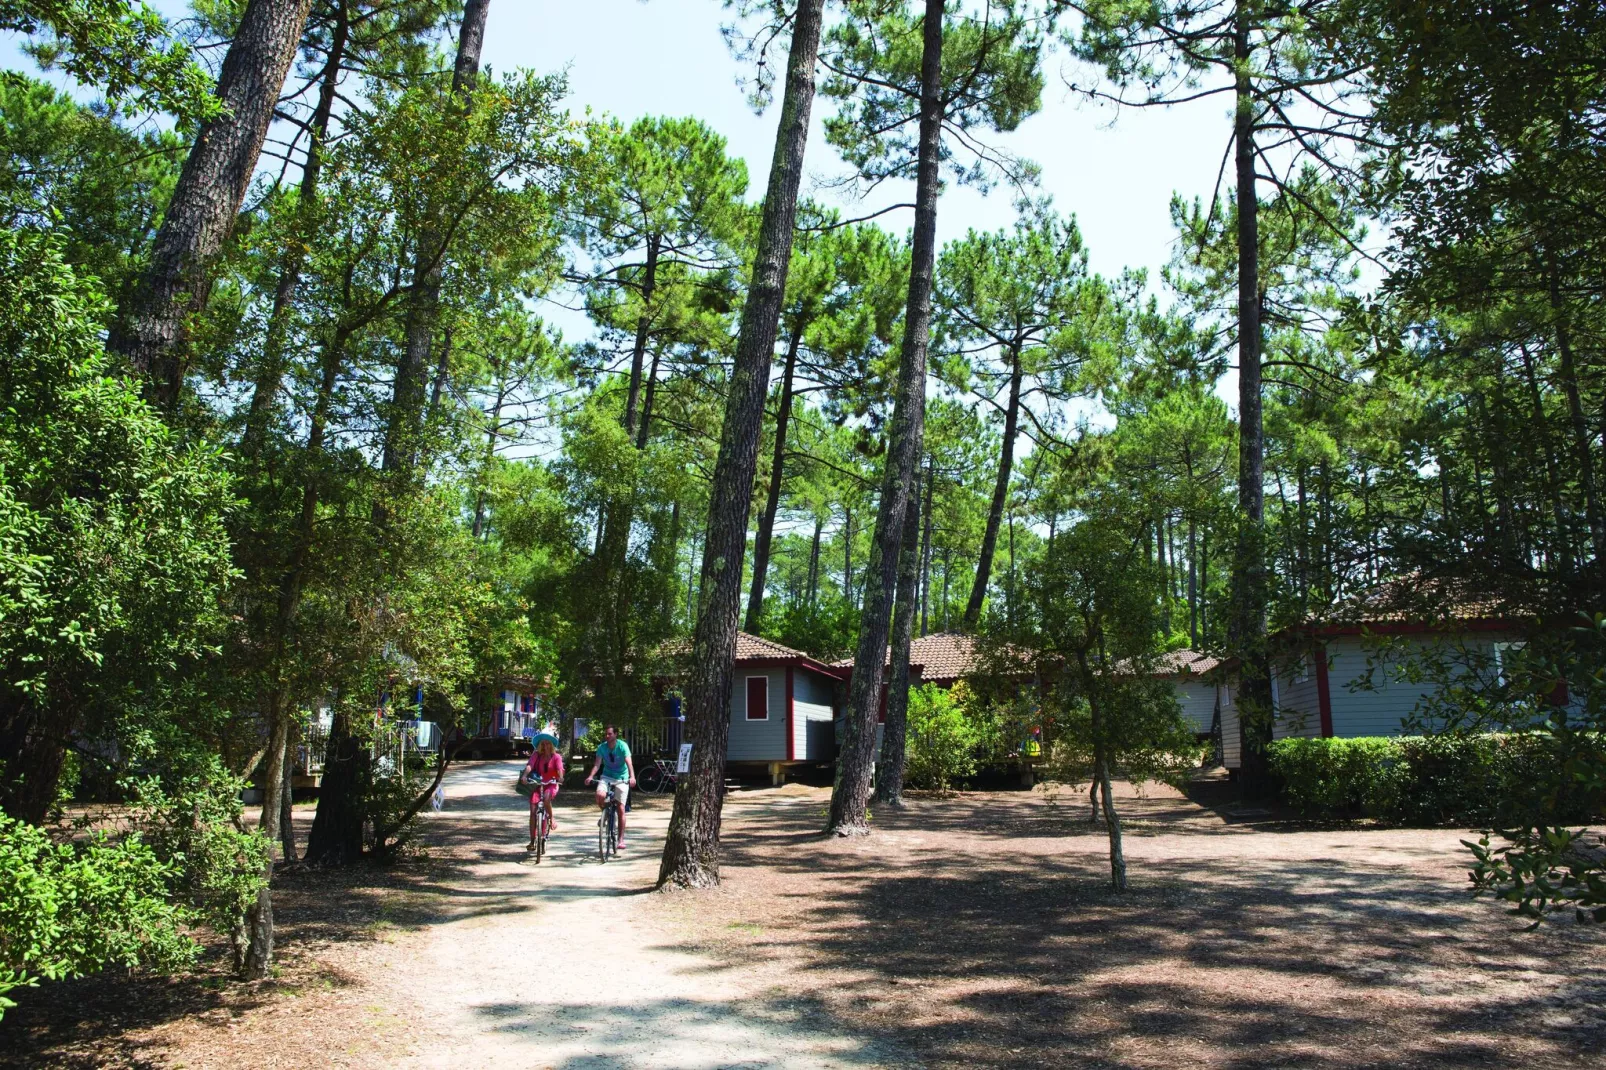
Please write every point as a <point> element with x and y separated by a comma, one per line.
<point>404,426</point>
<point>772,501</point>
<point>925,548</point>
<point>894,733</point>
<point>1249,571</point>
<point>270,369</point>
<point>1567,370</point>
<point>995,512</point>
<point>151,333</point>
<point>814,562</point>
<point>691,850</point>
<point>851,796</point>
<point>336,836</point>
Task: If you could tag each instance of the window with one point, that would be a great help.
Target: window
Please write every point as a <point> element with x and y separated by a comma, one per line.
<point>758,698</point>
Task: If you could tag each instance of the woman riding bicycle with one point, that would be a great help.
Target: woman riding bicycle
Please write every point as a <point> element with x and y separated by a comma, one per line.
<point>543,773</point>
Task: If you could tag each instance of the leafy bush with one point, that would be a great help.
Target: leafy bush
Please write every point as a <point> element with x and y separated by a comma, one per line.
<point>943,737</point>
<point>1327,778</point>
<point>1482,780</point>
<point>195,827</point>
<point>71,909</point>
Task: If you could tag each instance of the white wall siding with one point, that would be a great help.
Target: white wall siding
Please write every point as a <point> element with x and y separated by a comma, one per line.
<point>807,722</point>
<point>812,687</point>
<point>1198,701</point>
<point>1299,705</point>
<point>1231,744</point>
<point>757,741</point>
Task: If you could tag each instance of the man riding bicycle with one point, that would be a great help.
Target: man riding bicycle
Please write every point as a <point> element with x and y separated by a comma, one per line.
<point>543,773</point>
<point>618,771</point>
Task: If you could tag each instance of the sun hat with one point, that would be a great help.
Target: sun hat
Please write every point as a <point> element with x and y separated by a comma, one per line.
<point>547,737</point>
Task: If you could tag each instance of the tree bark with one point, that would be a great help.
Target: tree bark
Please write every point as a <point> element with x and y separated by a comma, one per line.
<point>847,555</point>
<point>644,432</point>
<point>638,349</point>
<point>151,335</point>
<point>1112,823</point>
<point>494,430</point>
<point>259,931</point>
<point>1249,572</point>
<point>894,733</point>
<point>271,368</point>
<point>925,548</point>
<point>273,776</point>
<point>423,307</point>
<point>336,836</point>
<point>814,562</point>
<point>287,826</point>
<point>995,513</point>
<point>851,796</point>
<point>691,850</point>
<point>772,501</point>
<point>1568,374</point>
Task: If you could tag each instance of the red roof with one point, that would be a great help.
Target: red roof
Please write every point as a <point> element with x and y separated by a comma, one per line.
<point>942,656</point>
<point>1186,663</point>
<point>750,648</point>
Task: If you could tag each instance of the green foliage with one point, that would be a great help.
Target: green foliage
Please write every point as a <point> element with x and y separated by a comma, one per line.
<point>121,46</point>
<point>194,825</point>
<point>77,172</point>
<point>945,740</point>
<point>1327,778</point>
<point>1485,779</point>
<point>991,79</point>
<point>826,629</point>
<point>112,546</point>
<point>1542,870</point>
<point>71,909</point>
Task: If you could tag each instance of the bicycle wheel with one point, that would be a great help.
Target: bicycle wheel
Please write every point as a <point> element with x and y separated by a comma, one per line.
<point>652,780</point>
<point>613,830</point>
<point>602,835</point>
<point>540,834</point>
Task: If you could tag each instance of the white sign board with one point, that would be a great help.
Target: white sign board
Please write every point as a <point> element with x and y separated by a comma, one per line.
<point>684,765</point>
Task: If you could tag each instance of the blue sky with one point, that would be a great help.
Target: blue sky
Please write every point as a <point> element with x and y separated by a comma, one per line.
<point>631,58</point>
<point>667,57</point>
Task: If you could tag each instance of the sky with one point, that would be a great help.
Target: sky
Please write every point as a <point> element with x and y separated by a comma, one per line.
<point>629,58</point>
<point>1114,169</point>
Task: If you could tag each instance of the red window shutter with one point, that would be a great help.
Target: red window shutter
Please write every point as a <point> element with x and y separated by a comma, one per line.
<point>758,698</point>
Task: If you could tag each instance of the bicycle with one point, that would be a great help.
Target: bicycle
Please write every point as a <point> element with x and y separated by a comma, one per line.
<point>543,822</point>
<point>660,779</point>
<point>608,825</point>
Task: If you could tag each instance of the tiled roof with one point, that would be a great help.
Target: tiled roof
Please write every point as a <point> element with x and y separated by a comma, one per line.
<point>943,656</point>
<point>1186,662</point>
<point>1418,598</point>
<point>748,648</point>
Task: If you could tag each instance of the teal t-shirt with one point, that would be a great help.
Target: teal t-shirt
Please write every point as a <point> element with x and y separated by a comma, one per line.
<point>613,760</point>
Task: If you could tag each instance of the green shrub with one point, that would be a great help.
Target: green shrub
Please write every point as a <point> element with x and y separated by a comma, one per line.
<point>1327,778</point>
<point>943,739</point>
<point>72,909</point>
<point>195,827</point>
<point>1480,780</point>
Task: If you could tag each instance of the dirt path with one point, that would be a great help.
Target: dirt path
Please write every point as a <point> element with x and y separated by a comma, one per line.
<point>572,963</point>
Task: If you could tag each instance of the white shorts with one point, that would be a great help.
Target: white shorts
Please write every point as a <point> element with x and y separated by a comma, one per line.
<point>621,788</point>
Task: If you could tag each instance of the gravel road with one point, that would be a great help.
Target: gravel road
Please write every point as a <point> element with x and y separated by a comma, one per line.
<point>575,964</point>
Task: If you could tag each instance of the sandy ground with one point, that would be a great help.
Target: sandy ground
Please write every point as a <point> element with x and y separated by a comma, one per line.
<point>967,931</point>
<point>567,963</point>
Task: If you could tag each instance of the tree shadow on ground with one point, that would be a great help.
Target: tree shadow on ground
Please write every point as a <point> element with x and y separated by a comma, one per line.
<point>759,1032</point>
<point>981,943</point>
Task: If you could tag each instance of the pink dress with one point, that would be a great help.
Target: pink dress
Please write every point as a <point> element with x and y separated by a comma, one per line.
<point>538,769</point>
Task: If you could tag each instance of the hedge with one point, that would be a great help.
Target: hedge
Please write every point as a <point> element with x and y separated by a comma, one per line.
<point>1490,780</point>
